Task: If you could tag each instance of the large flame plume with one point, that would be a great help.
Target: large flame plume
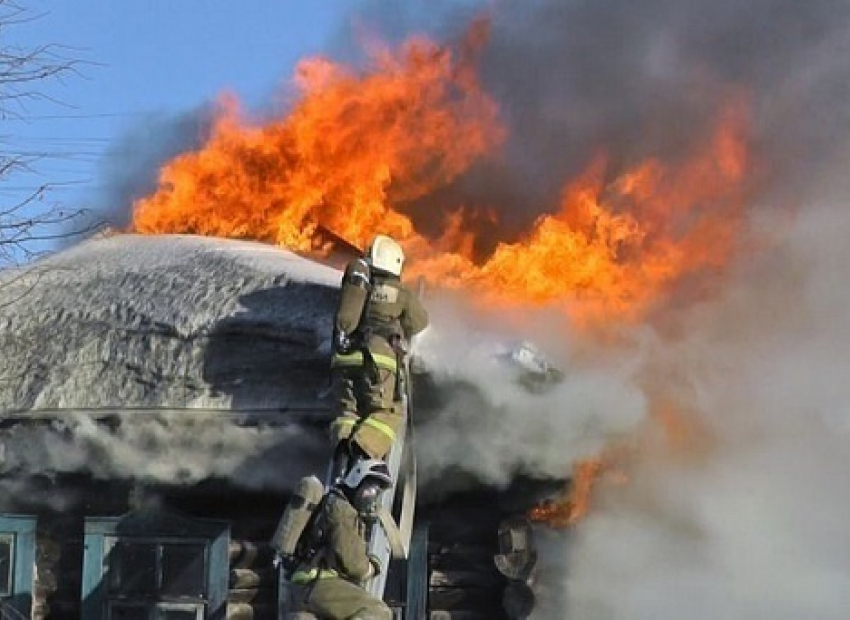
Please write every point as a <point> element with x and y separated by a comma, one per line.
<point>352,147</point>
<point>357,148</point>
<point>611,248</point>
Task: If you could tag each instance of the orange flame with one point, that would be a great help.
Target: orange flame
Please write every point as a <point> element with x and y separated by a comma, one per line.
<point>574,504</point>
<point>350,148</point>
<point>672,429</point>
<point>356,148</point>
<point>612,249</point>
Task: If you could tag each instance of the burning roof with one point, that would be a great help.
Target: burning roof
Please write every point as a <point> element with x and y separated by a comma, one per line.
<point>601,164</point>
<point>365,151</point>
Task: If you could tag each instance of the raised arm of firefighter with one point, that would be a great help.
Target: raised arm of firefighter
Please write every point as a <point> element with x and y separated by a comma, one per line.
<point>356,286</point>
<point>414,317</point>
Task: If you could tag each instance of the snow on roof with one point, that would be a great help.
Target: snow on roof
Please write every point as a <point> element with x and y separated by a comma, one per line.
<point>165,321</point>
<point>122,252</point>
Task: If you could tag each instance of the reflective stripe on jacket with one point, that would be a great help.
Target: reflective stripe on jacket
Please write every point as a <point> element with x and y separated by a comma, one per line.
<point>302,577</point>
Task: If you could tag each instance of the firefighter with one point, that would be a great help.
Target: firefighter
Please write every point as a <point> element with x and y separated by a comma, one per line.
<point>376,317</point>
<point>330,584</point>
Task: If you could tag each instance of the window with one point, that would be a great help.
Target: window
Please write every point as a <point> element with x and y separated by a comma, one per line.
<point>17,562</point>
<point>157,611</point>
<point>122,611</point>
<point>7,564</point>
<point>165,568</point>
<point>183,570</point>
<point>177,612</point>
<point>155,566</point>
<point>131,567</point>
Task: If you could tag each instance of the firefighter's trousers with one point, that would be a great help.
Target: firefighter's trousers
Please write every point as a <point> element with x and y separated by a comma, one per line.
<point>337,599</point>
<point>368,413</point>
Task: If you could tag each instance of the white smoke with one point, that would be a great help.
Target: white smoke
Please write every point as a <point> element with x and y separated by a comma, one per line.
<point>491,426</point>
<point>157,448</point>
<point>749,524</point>
<point>755,525</point>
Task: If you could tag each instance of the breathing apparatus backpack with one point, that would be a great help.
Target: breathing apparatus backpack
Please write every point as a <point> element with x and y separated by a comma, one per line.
<point>298,534</point>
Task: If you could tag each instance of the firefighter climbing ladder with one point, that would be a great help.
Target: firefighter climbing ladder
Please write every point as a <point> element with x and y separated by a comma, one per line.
<point>402,551</point>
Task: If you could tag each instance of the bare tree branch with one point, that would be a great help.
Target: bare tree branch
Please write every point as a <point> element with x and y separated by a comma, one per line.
<point>30,221</point>
<point>36,273</point>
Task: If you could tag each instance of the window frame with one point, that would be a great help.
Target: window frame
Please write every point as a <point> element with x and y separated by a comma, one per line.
<point>160,542</point>
<point>153,608</point>
<point>20,530</point>
<point>160,528</point>
<point>12,540</point>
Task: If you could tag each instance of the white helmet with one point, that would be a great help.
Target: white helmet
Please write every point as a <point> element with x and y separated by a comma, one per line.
<point>386,254</point>
<point>366,481</point>
<point>371,469</point>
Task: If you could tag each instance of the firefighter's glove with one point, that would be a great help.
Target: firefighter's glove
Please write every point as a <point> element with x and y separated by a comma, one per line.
<point>343,343</point>
<point>399,345</point>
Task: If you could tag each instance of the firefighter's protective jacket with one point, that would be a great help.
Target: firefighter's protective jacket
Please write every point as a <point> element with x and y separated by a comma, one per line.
<point>332,586</point>
<point>343,550</point>
<point>374,308</point>
<point>378,302</point>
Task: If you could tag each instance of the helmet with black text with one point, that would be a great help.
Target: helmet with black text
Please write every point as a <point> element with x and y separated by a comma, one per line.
<point>385,254</point>
<point>364,484</point>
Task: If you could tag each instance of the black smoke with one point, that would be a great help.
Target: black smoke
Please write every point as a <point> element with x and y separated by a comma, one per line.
<point>575,78</point>
<point>637,79</point>
<point>131,166</point>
